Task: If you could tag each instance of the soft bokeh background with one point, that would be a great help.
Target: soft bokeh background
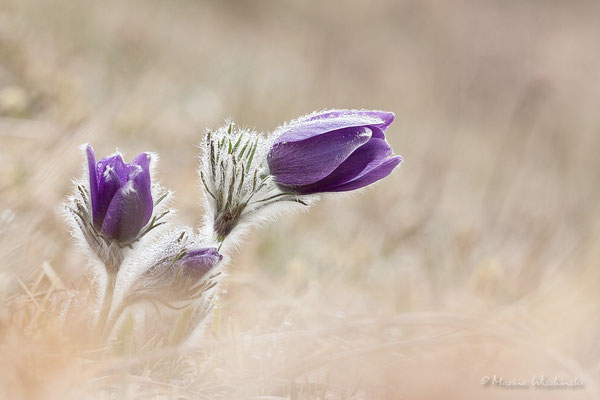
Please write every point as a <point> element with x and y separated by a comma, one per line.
<point>478,257</point>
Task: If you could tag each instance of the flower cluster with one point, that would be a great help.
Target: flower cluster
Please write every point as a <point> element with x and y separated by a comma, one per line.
<point>120,216</point>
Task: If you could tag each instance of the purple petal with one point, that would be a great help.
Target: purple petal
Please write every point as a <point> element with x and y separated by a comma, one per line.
<point>141,179</point>
<point>117,167</point>
<point>198,262</point>
<point>363,160</point>
<point>125,216</point>
<point>319,124</point>
<point>377,131</point>
<point>91,159</point>
<point>386,117</point>
<point>108,171</point>
<point>312,159</point>
<point>372,176</point>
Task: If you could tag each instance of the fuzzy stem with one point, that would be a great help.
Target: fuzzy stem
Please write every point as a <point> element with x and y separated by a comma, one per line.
<point>108,298</point>
<point>110,323</point>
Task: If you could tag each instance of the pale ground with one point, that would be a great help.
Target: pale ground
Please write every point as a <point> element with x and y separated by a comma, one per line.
<point>478,257</point>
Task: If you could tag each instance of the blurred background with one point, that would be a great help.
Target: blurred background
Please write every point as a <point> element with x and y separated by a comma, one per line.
<point>478,257</point>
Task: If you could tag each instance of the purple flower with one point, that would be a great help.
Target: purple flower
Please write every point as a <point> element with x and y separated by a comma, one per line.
<point>333,151</point>
<point>177,277</point>
<point>121,195</point>
<point>196,263</point>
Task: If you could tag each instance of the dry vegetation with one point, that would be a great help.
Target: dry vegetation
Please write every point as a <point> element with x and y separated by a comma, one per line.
<point>479,256</point>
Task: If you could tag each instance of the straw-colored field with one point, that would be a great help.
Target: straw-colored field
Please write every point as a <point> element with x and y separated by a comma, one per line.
<point>478,257</point>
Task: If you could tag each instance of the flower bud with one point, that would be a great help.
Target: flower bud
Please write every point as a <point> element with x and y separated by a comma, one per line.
<point>197,262</point>
<point>121,195</point>
<point>333,151</point>
<point>180,271</point>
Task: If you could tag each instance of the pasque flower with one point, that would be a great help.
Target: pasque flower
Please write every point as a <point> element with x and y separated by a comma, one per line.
<point>120,194</point>
<point>181,271</point>
<point>332,151</point>
<point>178,277</point>
<point>245,174</point>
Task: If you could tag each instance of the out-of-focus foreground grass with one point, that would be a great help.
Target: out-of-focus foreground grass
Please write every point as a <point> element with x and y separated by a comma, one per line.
<point>478,257</point>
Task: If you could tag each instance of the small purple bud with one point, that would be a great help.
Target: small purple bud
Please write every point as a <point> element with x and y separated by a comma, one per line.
<point>196,263</point>
<point>121,195</point>
<point>334,151</point>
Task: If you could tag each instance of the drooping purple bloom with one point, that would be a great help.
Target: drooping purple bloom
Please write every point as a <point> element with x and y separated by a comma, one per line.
<point>196,263</point>
<point>121,195</point>
<point>333,151</point>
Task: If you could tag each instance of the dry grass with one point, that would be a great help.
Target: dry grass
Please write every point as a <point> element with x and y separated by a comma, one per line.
<point>478,257</point>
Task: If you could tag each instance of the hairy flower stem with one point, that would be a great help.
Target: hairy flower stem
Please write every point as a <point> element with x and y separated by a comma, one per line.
<point>110,323</point>
<point>108,298</point>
